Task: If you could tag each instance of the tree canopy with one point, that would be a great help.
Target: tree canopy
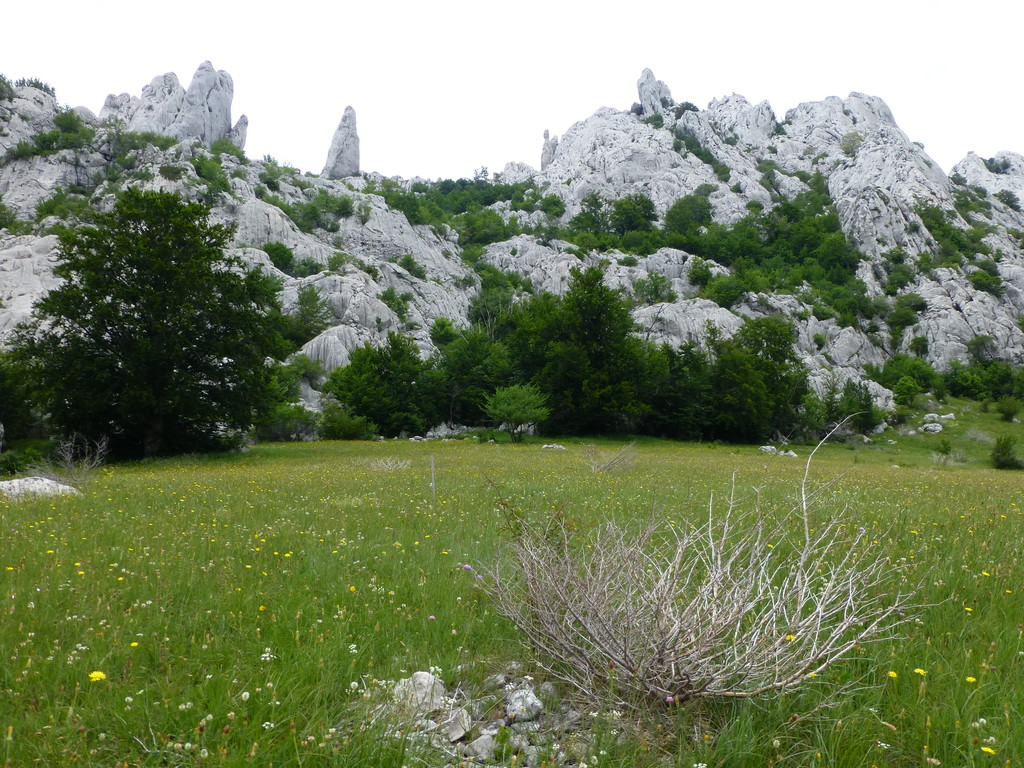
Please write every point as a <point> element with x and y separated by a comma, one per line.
<point>157,338</point>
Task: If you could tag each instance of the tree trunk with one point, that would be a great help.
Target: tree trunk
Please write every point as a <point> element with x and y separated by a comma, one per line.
<point>154,439</point>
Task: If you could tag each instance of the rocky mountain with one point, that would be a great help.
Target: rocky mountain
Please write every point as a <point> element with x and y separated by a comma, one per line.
<point>952,243</point>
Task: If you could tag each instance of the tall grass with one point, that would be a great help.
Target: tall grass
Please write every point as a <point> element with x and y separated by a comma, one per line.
<point>251,609</point>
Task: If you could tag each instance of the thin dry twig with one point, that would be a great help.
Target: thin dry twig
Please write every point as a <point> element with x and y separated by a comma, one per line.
<point>74,461</point>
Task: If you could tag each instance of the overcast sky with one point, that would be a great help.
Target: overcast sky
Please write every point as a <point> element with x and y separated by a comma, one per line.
<point>443,88</point>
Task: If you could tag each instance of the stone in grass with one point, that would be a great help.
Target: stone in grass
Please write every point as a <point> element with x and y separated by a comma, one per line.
<point>522,705</point>
<point>457,725</point>
<point>422,692</point>
<point>481,749</point>
<point>35,486</point>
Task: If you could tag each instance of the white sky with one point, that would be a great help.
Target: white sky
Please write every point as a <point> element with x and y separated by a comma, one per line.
<point>445,87</point>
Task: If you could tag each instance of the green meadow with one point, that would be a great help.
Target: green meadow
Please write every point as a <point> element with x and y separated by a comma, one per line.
<point>254,609</point>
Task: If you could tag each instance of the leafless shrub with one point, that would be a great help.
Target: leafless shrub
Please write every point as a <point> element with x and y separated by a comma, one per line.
<point>74,461</point>
<point>953,458</point>
<point>390,465</point>
<point>745,604</point>
<point>607,461</point>
<point>978,436</point>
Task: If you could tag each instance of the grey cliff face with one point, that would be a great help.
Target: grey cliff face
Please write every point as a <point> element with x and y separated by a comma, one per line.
<point>343,156</point>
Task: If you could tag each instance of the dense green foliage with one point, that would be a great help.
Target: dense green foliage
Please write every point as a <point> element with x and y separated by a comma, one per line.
<point>69,132</point>
<point>66,205</point>
<point>155,339</point>
<point>592,372</point>
<point>389,386</point>
<point>463,204</point>
<point>798,243</point>
<point>321,212</point>
<point>15,404</point>
<point>310,316</point>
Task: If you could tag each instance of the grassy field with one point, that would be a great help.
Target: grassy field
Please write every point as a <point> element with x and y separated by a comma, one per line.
<point>251,609</point>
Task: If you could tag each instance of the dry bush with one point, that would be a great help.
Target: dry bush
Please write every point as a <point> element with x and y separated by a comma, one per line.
<point>74,461</point>
<point>746,604</point>
<point>954,458</point>
<point>978,436</point>
<point>608,461</point>
<point>390,465</point>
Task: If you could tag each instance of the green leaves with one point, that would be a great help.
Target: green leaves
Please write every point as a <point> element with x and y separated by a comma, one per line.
<point>156,338</point>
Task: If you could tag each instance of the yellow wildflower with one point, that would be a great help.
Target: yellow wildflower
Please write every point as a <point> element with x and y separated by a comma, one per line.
<point>97,676</point>
<point>919,671</point>
<point>892,674</point>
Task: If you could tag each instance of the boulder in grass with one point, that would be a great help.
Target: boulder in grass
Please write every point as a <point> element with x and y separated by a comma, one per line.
<point>422,692</point>
<point>35,486</point>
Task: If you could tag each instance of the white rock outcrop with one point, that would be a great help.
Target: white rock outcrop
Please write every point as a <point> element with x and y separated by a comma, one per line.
<point>343,156</point>
<point>654,94</point>
<point>24,487</point>
<point>202,112</point>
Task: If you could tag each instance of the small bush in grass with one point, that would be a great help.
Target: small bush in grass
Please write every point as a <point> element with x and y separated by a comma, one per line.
<point>1008,407</point>
<point>288,422</point>
<point>336,423</point>
<point>16,462</point>
<point>1004,454</point>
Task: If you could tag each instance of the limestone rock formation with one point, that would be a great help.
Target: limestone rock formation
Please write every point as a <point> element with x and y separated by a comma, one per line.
<point>202,112</point>
<point>343,157</point>
<point>239,132</point>
<point>654,94</point>
<point>547,154</point>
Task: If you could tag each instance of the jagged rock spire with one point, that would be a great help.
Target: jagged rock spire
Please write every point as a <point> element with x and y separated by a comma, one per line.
<point>202,112</point>
<point>343,157</point>
<point>654,94</point>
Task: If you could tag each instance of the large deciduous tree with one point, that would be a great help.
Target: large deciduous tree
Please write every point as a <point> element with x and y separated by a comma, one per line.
<point>156,338</point>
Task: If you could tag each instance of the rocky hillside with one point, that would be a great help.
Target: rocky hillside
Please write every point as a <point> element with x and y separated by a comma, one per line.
<point>951,246</point>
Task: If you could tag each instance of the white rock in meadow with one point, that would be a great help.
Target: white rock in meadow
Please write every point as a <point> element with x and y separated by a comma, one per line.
<point>457,724</point>
<point>35,486</point>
